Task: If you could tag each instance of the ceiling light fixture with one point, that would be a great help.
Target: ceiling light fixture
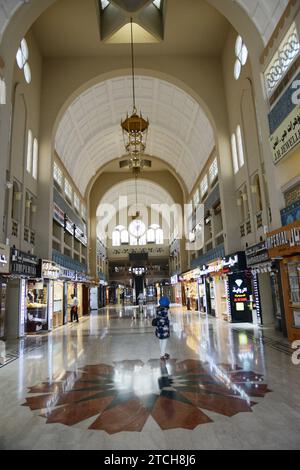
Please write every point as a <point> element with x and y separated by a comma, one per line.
<point>135,129</point>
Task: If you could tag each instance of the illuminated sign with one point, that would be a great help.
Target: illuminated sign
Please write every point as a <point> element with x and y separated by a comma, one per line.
<point>4,259</point>
<point>174,279</point>
<point>226,265</point>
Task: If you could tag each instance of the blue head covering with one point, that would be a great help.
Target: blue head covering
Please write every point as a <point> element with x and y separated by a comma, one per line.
<point>164,302</point>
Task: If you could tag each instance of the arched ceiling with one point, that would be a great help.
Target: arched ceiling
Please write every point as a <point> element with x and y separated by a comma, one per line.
<point>89,134</point>
<point>265,14</point>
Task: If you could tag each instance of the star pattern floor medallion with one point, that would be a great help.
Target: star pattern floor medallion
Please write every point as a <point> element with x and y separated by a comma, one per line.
<point>121,397</point>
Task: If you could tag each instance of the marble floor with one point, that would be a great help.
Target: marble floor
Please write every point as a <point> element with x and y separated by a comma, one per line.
<point>100,384</point>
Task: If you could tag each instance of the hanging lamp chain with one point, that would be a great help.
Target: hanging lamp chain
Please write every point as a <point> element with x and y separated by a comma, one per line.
<point>132,66</point>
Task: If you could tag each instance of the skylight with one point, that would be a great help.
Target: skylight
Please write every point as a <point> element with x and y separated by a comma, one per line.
<point>157,3</point>
<point>104,4</point>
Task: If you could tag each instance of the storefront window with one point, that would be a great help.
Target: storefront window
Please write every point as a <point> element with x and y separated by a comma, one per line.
<point>37,318</point>
<point>294,290</point>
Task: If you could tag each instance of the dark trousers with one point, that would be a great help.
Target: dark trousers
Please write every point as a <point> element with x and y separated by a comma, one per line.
<point>74,314</point>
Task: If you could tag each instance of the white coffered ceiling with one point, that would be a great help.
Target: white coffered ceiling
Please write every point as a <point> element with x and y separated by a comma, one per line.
<point>89,134</point>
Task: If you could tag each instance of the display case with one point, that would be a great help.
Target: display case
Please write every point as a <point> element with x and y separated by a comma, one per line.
<point>37,316</point>
<point>293,271</point>
<point>58,307</point>
<point>2,308</point>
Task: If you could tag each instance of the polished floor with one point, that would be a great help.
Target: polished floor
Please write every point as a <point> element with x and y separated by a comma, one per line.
<point>100,384</point>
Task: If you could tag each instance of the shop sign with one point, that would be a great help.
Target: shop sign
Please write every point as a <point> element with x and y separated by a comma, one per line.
<point>284,241</point>
<point>227,264</point>
<point>284,123</point>
<point>22,307</point>
<point>4,259</point>
<point>240,291</point>
<point>24,264</point>
<point>174,279</point>
<point>287,136</point>
<point>65,273</point>
<point>58,215</point>
<point>50,270</point>
<point>290,214</point>
<point>194,274</point>
<point>257,254</point>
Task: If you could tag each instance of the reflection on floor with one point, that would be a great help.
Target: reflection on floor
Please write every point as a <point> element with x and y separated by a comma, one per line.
<point>100,384</point>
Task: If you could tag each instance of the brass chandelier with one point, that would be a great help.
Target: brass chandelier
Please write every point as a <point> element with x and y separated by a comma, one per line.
<point>135,130</point>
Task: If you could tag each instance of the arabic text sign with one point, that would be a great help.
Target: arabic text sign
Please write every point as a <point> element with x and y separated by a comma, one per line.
<point>287,136</point>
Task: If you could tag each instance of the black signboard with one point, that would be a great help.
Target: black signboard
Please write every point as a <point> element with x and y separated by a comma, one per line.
<point>240,290</point>
<point>138,256</point>
<point>24,264</point>
<point>257,254</point>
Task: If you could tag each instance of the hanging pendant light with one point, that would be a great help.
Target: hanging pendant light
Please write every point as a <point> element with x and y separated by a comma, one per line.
<point>134,128</point>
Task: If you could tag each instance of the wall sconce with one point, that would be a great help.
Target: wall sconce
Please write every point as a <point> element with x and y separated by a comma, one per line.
<point>245,197</point>
<point>239,202</point>
<point>18,196</point>
<point>33,208</point>
<point>253,188</point>
<point>27,204</point>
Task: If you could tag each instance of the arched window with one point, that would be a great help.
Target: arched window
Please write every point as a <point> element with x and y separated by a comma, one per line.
<point>2,91</point>
<point>241,54</point>
<point>240,146</point>
<point>234,154</point>
<point>116,238</point>
<point>133,240</point>
<point>35,159</point>
<point>29,151</point>
<point>150,235</point>
<point>22,60</point>
<point>159,236</point>
<point>143,240</point>
<point>124,237</point>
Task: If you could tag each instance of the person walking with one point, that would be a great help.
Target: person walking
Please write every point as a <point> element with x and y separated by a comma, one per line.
<point>188,299</point>
<point>162,324</point>
<point>74,308</point>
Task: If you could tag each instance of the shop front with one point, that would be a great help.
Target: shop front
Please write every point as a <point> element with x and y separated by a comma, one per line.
<point>284,246</point>
<point>190,291</point>
<point>74,288</point>
<point>50,273</point>
<point>27,312</point>
<point>266,287</point>
<point>4,269</point>
<point>227,290</point>
<point>176,290</point>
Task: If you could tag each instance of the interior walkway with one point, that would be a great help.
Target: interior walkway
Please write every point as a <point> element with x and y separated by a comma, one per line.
<point>100,385</point>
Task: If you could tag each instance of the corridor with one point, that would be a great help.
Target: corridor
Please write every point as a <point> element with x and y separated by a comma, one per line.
<point>100,384</point>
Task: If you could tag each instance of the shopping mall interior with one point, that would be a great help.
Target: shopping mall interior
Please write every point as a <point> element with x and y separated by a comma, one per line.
<point>150,224</point>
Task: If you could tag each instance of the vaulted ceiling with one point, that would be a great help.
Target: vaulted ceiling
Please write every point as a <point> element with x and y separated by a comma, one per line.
<point>89,134</point>
<point>265,14</point>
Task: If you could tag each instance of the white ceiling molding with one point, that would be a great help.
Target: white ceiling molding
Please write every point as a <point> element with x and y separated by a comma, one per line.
<point>265,14</point>
<point>89,134</point>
